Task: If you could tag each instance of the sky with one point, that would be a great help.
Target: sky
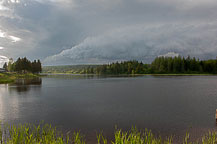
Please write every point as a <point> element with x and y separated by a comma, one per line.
<point>61,32</point>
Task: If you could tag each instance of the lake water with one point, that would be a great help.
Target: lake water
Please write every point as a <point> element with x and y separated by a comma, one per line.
<point>165,104</point>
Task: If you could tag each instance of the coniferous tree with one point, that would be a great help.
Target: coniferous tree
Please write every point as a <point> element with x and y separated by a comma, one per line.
<point>23,65</point>
<point>5,66</point>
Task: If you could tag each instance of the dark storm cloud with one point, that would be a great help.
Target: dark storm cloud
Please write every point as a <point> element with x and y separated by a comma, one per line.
<point>98,31</point>
<point>143,43</point>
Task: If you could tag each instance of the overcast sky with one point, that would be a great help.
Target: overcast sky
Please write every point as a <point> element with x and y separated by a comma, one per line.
<point>101,31</point>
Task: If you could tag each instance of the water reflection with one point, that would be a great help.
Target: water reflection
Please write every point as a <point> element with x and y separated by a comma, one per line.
<point>25,85</point>
<point>88,76</point>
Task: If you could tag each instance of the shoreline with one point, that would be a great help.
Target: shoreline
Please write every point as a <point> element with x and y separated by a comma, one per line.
<point>47,74</point>
<point>6,78</point>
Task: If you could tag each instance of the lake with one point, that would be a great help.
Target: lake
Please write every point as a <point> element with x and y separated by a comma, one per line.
<point>165,104</point>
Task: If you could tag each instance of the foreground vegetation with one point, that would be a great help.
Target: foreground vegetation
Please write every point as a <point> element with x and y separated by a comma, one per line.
<point>46,134</point>
<point>161,65</point>
<point>11,77</point>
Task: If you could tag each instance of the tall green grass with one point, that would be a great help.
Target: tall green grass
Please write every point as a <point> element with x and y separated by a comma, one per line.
<point>41,134</point>
<point>46,134</point>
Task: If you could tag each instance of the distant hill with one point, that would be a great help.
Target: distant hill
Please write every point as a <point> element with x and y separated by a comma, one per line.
<point>74,69</point>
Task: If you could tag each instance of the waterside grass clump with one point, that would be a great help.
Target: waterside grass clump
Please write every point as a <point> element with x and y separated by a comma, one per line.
<point>6,78</point>
<point>46,134</point>
<point>11,77</point>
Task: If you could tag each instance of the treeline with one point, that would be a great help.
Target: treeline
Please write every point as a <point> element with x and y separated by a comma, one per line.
<point>23,65</point>
<point>161,65</point>
<point>183,65</point>
<point>127,67</point>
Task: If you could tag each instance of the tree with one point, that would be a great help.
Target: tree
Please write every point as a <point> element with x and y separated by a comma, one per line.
<point>23,65</point>
<point>5,66</point>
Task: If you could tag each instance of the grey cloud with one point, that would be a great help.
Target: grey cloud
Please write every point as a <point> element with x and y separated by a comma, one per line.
<point>142,43</point>
<point>3,60</point>
<point>109,30</point>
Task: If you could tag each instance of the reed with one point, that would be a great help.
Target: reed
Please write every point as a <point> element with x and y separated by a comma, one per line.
<point>47,134</point>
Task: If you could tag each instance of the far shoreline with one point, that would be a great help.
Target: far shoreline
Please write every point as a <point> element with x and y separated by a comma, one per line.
<point>6,78</point>
<point>47,74</point>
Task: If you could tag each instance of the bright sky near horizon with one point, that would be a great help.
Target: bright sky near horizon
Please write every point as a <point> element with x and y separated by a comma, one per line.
<point>102,31</point>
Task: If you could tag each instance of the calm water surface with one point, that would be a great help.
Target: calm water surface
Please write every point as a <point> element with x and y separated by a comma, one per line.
<point>167,104</point>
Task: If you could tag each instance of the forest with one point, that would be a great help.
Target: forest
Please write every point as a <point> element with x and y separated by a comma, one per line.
<point>23,65</point>
<point>160,65</point>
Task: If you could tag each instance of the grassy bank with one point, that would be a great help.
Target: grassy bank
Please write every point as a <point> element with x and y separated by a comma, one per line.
<point>11,77</point>
<point>46,134</point>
